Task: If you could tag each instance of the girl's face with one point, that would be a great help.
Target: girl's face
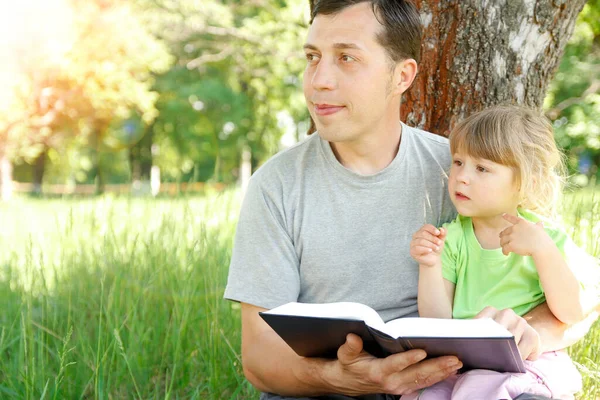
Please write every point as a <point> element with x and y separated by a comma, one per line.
<point>481,188</point>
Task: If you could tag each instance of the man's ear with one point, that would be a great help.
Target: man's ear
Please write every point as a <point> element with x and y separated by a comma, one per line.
<point>404,75</point>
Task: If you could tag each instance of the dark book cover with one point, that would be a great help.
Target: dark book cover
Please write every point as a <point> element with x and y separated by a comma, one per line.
<point>321,337</point>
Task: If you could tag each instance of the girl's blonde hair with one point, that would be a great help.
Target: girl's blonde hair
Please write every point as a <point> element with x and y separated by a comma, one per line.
<point>522,139</point>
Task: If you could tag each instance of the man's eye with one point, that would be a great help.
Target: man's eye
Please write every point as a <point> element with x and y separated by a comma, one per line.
<point>311,57</point>
<point>347,58</point>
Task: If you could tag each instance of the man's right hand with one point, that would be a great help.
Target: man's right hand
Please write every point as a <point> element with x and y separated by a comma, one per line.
<point>358,372</point>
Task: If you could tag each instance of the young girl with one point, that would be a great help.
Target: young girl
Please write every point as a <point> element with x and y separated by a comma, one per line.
<point>502,250</point>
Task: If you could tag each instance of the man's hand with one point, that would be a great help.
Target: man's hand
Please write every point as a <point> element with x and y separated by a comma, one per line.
<point>358,372</point>
<point>427,244</point>
<point>523,237</point>
<point>527,338</point>
<point>272,366</point>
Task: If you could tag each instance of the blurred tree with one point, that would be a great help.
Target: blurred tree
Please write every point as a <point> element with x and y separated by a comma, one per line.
<point>476,54</point>
<point>573,101</point>
<point>238,68</point>
<point>101,77</point>
<point>114,62</point>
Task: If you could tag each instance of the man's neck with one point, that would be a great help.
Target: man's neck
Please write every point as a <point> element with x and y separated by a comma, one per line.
<point>370,154</point>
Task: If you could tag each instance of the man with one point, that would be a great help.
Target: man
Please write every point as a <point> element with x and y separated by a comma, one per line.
<point>331,219</point>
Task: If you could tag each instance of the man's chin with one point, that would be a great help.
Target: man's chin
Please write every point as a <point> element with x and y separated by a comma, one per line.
<point>327,133</point>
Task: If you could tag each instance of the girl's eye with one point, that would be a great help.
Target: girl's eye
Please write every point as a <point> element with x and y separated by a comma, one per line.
<point>481,169</point>
<point>457,163</point>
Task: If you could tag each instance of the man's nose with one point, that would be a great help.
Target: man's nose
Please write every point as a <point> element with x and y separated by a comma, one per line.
<point>324,76</point>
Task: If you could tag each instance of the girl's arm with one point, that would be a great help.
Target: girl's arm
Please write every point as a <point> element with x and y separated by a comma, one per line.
<point>563,292</point>
<point>561,287</point>
<point>435,294</point>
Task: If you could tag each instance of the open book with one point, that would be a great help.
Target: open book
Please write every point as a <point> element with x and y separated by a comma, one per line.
<point>318,330</point>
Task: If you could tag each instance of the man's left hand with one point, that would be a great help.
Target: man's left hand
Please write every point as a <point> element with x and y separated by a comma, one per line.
<point>528,340</point>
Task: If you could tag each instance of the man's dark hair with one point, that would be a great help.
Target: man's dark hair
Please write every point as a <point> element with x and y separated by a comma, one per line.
<point>401,35</point>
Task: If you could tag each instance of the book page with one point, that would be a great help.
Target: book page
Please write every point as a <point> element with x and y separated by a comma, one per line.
<point>342,310</point>
<point>436,327</point>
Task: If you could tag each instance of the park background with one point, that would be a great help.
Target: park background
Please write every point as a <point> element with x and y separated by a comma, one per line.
<point>128,131</point>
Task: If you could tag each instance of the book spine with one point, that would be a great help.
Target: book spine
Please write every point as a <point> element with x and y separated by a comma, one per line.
<point>388,344</point>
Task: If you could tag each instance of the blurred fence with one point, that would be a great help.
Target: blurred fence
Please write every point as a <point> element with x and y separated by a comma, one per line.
<point>137,188</point>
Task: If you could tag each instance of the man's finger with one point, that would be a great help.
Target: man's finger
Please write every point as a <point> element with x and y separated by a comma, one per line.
<point>351,349</point>
<point>518,330</point>
<point>422,382</point>
<point>400,361</point>
<point>487,312</point>
<point>429,372</point>
<point>535,354</point>
<point>513,219</point>
<point>529,342</point>
<point>528,347</point>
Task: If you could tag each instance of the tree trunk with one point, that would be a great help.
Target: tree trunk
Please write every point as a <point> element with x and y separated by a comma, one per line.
<point>39,168</point>
<point>96,171</point>
<point>140,161</point>
<point>140,157</point>
<point>476,54</point>
<point>5,177</point>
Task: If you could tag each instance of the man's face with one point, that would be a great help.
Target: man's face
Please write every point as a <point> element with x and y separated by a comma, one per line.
<point>348,83</point>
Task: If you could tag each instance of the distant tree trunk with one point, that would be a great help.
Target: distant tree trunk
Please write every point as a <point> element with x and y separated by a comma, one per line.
<point>39,168</point>
<point>6,169</point>
<point>96,171</point>
<point>476,54</point>
<point>245,168</point>
<point>140,161</point>
<point>140,157</point>
<point>5,177</point>
<point>216,176</point>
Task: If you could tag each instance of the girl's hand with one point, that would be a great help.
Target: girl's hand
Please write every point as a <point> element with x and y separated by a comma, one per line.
<point>523,237</point>
<point>427,244</point>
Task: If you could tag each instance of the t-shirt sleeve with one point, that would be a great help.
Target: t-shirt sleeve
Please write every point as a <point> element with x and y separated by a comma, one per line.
<point>264,265</point>
<point>450,251</point>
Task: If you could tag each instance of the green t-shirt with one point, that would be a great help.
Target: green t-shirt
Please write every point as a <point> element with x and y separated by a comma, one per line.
<point>488,277</point>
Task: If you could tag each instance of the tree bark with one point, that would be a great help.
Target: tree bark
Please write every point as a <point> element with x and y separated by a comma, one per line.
<point>96,171</point>
<point>39,168</point>
<point>6,185</point>
<point>140,157</point>
<point>475,54</point>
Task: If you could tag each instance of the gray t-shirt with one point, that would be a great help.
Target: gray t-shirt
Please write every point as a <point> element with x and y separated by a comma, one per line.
<point>312,231</point>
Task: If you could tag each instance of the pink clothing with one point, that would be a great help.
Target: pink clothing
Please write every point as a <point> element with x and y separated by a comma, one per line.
<point>552,375</point>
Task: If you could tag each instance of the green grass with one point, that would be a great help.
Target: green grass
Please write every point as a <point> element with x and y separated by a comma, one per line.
<point>113,298</point>
<point>118,298</point>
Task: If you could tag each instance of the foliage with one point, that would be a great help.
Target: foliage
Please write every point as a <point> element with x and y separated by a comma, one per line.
<point>573,101</point>
<point>238,69</point>
<point>101,78</point>
<point>188,85</point>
